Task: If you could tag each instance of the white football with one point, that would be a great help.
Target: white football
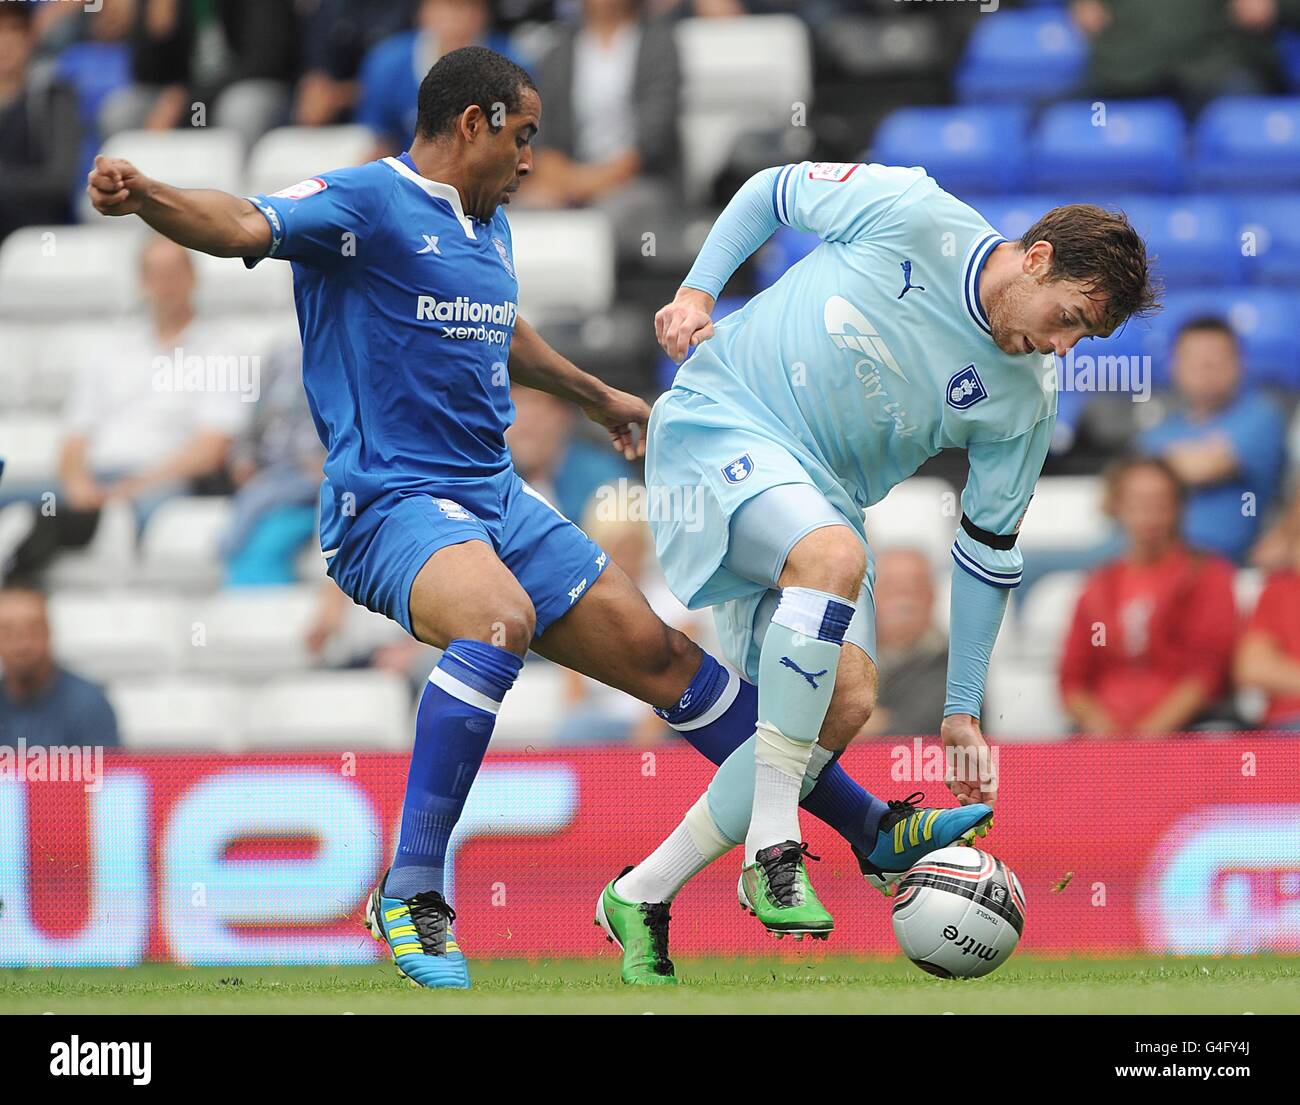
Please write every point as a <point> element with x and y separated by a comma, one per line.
<point>959,913</point>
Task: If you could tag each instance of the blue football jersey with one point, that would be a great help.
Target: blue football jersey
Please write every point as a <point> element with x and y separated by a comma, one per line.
<point>406,307</point>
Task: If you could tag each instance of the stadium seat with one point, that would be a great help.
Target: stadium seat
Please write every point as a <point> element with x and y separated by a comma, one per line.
<point>531,713</point>
<point>1045,614</point>
<point>180,712</point>
<point>782,250</point>
<point>966,149</point>
<point>53,272</point>
<point>1261,317</point>
<point>920,512</point>
<point>1194,238</point>
<point>226,284</point>
<point>1023,703</point>
<point>117,634</point>
<point>349,710</point>
<point>29,446</point>
<point>1012,215</point>
<point>1021,55</point>
<point>179,545</point>
<point>1248,142</point>
<point>108,561</point>
<point>739,74</point>
<point>253,630</point>
<point>286,155</point>
<point>565,261</point>
<point>1065,512</point>
<point>196,157</point>
<point>1268,234</point>
<point>1141,146</point>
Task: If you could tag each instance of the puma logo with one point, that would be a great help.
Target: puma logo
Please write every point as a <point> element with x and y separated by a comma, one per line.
<point>811,676</point>
<point>908,286</point>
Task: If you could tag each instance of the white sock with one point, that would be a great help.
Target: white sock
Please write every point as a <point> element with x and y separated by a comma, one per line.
<point>779,768</point>
<point>689,848</point>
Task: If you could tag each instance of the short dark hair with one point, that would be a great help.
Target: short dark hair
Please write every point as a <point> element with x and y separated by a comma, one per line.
<point>470,75</point>
<point>1208,324</point>
<point>1119,468</point>
<point>1101,250</point>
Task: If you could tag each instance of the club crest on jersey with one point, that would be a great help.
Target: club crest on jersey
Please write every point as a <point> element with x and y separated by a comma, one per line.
<point>302,189</point>
<point>965,388</point>
<point>504,255</point>
<point>739,470</point>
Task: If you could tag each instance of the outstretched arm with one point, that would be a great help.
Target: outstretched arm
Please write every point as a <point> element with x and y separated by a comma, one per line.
<point>197,218</point>
<point>535,364</point>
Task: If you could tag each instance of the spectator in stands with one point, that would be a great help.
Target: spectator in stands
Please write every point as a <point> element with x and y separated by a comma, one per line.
<point>610,96</point>
<point>1268,655</point>
<point>551,456</point>
<point>392,71</point>
<point>337,35</point>
<point>912,653</point>
<point>1226,444</point>
<point>154,415</point>
<point>1192,49</point>
<point>1150,645</point>
<point>277,465</point>
<point>40,132</point>
<point>41,702</point>
<point>236,58</point>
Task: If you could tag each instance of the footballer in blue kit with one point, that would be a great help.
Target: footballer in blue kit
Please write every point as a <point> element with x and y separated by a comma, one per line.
<point>406,297</point>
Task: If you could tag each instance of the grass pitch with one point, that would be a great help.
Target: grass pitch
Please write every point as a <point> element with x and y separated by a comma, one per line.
<point>823,985</point>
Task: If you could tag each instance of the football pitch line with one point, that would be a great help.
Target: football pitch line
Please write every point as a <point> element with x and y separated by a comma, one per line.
<point>777,985</point>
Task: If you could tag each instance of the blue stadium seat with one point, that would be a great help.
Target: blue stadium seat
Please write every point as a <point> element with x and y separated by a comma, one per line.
<point>1140,147</point>
<point>1268,234</point>
<point>1022,55</point>
<point>1194,238</point>
<point>1011,216</point>
<point>1262,317</point>
<point>1288,48</point>
<point>782,250</point>
<point>1248,142</point>
<point>966,149</point>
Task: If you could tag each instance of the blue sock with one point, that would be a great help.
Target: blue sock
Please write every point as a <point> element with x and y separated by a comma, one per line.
<point>838,800</point>
<point>452,728</point>
<point>718,713</point>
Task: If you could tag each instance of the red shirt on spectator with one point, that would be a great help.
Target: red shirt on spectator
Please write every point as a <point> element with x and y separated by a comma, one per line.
<point>1141,629</point>
<point>1277,616</point>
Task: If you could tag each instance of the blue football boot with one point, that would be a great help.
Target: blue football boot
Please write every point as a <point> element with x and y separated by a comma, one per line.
<point>418,933</point>
<point>909,832</point>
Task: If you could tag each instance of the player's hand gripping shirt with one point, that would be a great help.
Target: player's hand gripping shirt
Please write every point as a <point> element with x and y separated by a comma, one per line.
<point>873,352</point>
<point>406,308</point>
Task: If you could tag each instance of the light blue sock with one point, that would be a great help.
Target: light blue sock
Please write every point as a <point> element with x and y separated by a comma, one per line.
<point>796,678</point>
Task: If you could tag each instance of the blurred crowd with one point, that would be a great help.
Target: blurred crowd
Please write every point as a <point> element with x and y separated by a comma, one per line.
<point>1203,486</point>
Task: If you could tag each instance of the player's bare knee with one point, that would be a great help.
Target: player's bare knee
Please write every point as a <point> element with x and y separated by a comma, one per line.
<point>513,627</point>
<point>831,559</point>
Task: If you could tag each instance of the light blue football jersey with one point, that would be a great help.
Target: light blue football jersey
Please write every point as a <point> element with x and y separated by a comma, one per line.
<point>866,357</point>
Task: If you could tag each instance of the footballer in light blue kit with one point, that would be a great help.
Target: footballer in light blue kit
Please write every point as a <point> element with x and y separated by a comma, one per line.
<point>912,327</point>
<point>406,294</point>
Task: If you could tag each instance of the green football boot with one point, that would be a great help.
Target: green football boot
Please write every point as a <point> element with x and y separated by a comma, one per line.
<point>776,890</point>
<point>641,930</point>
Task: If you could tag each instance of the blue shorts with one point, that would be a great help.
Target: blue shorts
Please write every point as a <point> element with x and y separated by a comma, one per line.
<point>385,548</point>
